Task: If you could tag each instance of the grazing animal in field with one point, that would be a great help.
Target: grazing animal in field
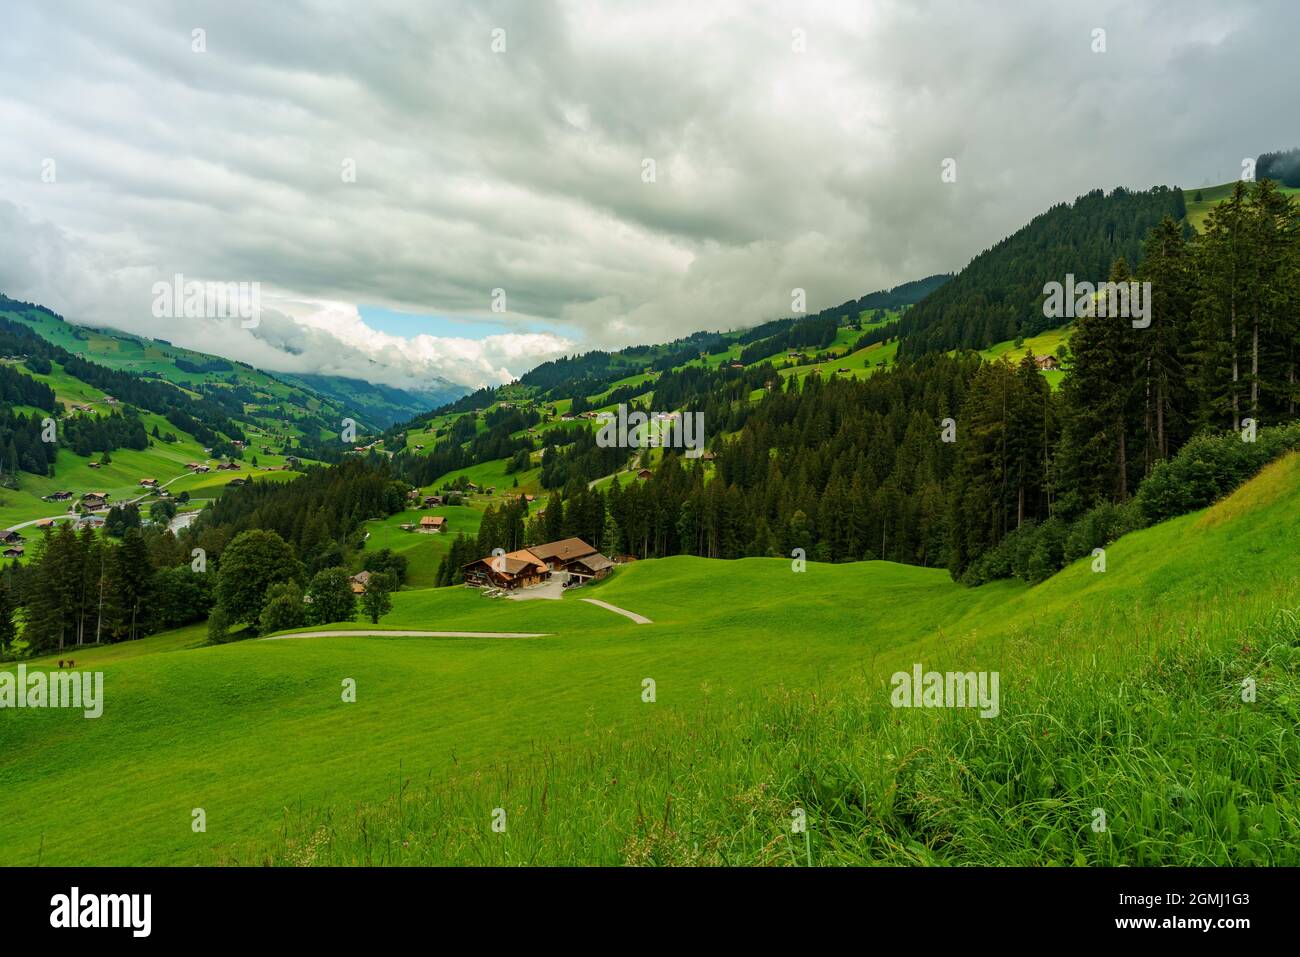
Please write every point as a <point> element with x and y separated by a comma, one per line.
<point>60,662</point>
<point>71,663</point>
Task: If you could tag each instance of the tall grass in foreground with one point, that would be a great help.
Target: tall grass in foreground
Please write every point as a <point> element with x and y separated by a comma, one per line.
<point>1184,770</point>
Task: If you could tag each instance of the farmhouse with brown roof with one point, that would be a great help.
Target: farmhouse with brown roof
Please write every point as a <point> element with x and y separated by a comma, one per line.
<point>512,570</point>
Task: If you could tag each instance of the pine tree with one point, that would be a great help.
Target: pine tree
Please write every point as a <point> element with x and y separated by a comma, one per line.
<point>1163,347</point>
<point>1098,398</point>
<point>1222,271</point>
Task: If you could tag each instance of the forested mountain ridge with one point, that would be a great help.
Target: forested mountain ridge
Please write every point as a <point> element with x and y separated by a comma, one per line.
<point>999,294</point>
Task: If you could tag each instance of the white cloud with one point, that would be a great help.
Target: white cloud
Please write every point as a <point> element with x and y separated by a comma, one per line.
<point>522,170</point>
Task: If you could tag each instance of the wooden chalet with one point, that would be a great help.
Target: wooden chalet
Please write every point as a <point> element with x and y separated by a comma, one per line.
<point>513,570</point>
<point>433,523</point>
<point>571,557</point>
<point>558,555</point>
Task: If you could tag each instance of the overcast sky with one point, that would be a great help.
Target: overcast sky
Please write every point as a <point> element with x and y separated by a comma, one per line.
<point>794,145</point>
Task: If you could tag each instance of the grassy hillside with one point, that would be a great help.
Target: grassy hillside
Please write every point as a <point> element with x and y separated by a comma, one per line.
<point>423,551</point>
<point>265,424</point>
<point>1201,200</point>
<point>255,733</point>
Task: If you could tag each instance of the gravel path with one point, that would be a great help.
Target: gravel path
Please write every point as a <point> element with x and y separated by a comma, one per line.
<point>344,632</point>
<point>639,619</point>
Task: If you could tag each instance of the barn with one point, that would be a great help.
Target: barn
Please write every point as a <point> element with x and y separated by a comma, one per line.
<point>590,567</point>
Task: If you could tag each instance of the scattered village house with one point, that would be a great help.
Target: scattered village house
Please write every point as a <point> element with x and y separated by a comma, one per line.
<point>1047,362</point>
<point>433,523</point>
<point>359,582</point>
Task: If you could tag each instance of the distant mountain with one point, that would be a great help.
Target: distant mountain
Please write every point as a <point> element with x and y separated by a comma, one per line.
<point>380,404</point>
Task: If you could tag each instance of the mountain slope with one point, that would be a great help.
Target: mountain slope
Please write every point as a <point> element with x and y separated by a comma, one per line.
<point>374,402</point>
<point>266,399</point>
<point>999,294</point>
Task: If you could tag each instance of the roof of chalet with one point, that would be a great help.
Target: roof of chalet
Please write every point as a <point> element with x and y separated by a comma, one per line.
<point>565,550</point>
<point>595,563</point>
<point>513,563</point>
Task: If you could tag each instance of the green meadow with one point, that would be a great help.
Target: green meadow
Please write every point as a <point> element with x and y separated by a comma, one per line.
<point>423,551</point>
<point>771,696</point>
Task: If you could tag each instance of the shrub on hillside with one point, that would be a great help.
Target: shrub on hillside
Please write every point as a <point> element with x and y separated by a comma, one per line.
<point>284,608</point>
<point>331,596</point>
<point>253,562</point>
<point>1098,527</point>
<point>1208,467</point>
<point>376,600</point>
<point>218,626</point>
